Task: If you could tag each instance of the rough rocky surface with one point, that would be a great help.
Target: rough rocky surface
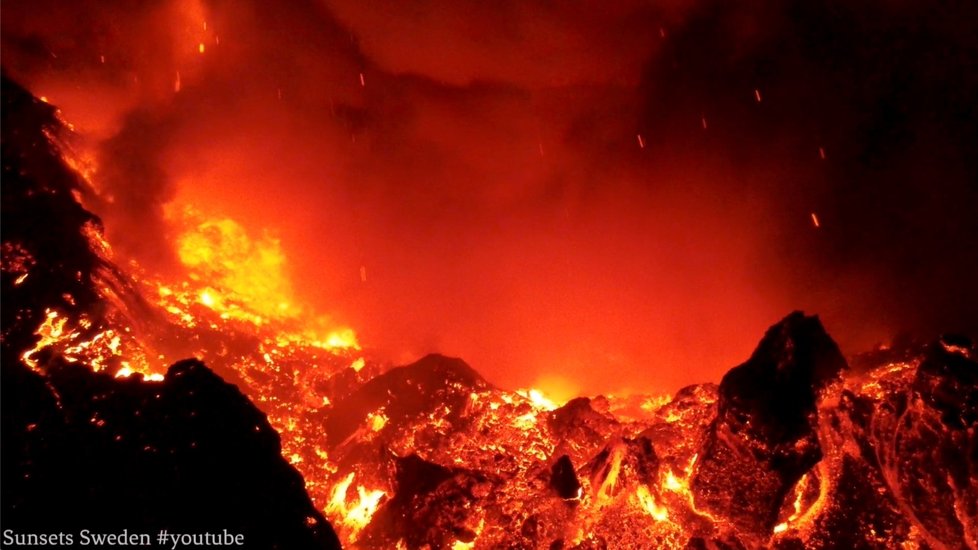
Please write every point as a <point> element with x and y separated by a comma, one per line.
<point>624,462</point>
<point>580,429</point>
<point>414,514</point>
<point>405,393</point>
<point>932,454</point>
<point>188,454</point>
<point>764,436</point>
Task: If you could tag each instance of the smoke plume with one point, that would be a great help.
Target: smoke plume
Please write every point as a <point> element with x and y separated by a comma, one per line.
<point>582,197</point>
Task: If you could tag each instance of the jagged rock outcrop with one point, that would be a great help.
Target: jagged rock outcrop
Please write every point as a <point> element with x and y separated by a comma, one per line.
<point>415,514</point>
<point>580,429</point>
<point>764,436</point>
<point>404,393</point>
<point>947,381</point>
<point>188,454</point>
<point>625,462</point>
<point>931,458</point>
<point>903,463</point>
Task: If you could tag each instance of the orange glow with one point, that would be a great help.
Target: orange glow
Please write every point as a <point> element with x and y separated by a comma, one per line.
<point>358,364</point>
<point>377,421</point>
<point>556,220</point>
<point>538,400</point>
<point>673,484</point>
<point>246,279</point>
<point>352,517</point>
<point>77,341</point>
<point>608,487</point>
<point>250,272</point>
<point>647,500</point>
<point>50,332</point>
<point>341,339</point>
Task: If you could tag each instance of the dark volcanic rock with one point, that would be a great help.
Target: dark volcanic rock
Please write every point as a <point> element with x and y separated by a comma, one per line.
<point>624,462</point>
<point>405,393</point>
<point>581,429</point>
<point>418,514</point>
<point>947,380</point>
<point>932,458</point>
<point>563,480</point>
<point>189,454</point>
<point>859,513</point>
<point>764,437</point>
<point>682,423</point>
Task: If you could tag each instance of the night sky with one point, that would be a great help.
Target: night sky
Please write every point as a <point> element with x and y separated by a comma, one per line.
<point>586,196</point>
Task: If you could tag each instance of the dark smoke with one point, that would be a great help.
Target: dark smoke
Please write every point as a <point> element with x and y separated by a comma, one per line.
<point>588,197</point>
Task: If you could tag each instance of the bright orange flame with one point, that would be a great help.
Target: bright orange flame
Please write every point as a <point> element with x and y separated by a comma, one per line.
<point>344,338</point>
<point>673,484</point>
<point>250,272</point>
<point>378,421</point>
<point>607,488</point>
<point>244,278</point>
<point>538,400</point>
<point>356,516</point>
<point>647,500</point>
<point>50,331</point>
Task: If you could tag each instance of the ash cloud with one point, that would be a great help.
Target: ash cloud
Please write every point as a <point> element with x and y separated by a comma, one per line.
<point>594,198</point>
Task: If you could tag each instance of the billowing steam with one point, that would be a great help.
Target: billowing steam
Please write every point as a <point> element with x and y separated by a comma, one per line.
<point>585,198</point>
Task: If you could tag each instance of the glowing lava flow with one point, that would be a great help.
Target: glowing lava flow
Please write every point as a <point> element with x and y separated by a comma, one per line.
<point>356,514</point>
<point>647,500</point>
